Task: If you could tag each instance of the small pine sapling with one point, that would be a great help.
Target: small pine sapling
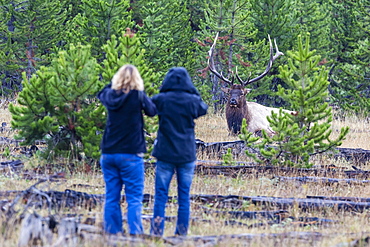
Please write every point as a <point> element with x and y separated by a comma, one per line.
<point>58,105</point>
<point>299,137</point>
<point>228,158</point>
<point>251,142</point>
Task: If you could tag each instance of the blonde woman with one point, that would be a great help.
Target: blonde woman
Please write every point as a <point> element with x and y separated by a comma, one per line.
<point>122,147</point>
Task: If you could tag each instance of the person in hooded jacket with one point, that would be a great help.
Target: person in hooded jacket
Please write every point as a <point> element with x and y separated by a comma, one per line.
<point>178,104</point>
<point>122,148</point>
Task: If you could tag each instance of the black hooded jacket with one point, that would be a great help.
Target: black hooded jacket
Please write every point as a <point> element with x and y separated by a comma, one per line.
<point>178,104</point>
<point>124,128</point>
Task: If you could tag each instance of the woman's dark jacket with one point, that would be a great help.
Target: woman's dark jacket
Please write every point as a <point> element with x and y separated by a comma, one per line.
<point>178,104</point>
<point>124,128</point>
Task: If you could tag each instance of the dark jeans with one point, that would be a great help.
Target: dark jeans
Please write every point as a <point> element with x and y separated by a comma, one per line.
<point>163,176</point>
<point>119,170</point>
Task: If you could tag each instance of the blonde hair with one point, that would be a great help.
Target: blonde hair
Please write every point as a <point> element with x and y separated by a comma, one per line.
<point>127,78</point>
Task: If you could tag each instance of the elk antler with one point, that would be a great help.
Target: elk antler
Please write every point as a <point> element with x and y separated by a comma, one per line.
<point>211,64</point>
<point>268,68</point>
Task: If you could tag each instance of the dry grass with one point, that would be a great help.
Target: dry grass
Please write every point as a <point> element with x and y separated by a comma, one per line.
<point>5,115</point>
<point>359,134</point>
<point>213,128</point>
<point>252,186</point>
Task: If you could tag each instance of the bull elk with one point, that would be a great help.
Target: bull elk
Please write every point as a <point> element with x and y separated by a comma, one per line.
<point>237,106</point>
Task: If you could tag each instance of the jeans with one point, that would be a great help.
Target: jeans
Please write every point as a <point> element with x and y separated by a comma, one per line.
<point>119,170</point>
<point>163,176</point>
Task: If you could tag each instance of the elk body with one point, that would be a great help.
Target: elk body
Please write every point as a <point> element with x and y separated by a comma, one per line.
<point>238,107</point>
<point>255,114</point>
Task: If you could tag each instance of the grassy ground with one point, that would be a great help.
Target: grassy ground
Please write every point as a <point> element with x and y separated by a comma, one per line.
<point>212,128</point>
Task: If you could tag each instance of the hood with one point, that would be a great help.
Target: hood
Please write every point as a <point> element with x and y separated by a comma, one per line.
<point>178,79</point>
<point>110,98</point>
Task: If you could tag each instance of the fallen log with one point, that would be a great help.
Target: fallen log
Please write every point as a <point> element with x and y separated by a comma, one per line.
<point>323,180</point>
<point>274,217</point>
<point>36,198</point>
<point>11,166</point>
<point>52,199</point>
<point>56,177</point>
<point>69,199</point>
<point>219,239</point>
<point>196,220</point>
<point>9,212</point>
<point>305,204</point>
<point>355,155</point>
<point>257,170</point>
<point>341,198</point>
<point>309,238</point>
<point>298,222</point>
<point>118,240</point>
<point>5,141</point>
<point>252,169</point>
<point>218,149</point>
<point>213,167</point>
<point>271,215</point>
<point>87,186</point>
<point>312,220</point>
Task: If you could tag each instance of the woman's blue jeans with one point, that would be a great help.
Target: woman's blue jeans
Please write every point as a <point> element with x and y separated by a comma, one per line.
<point>119,170</point>
<point>163,175</point>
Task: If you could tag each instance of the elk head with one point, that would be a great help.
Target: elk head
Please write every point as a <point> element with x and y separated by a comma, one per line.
<point>236,95</point>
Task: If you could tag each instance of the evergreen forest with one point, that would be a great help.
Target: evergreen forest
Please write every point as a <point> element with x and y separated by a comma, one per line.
<point>56,55</point>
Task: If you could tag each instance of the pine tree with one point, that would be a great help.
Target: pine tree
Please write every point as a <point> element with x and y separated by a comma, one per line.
<point>232,19</point>
<point>307,134</point>
<point>8,67</point>
<point>167,35</point>
<point>350,73</point>
<point>58,104</point>
<point>99,20</point>
<point>30,32</point>
<point>353,79</point>
<point>38,27</point>
<point>284,20</point>
<point>277,18</point>
<point>196,13</point>
<point>313,16</point>
<point>127,49</point>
